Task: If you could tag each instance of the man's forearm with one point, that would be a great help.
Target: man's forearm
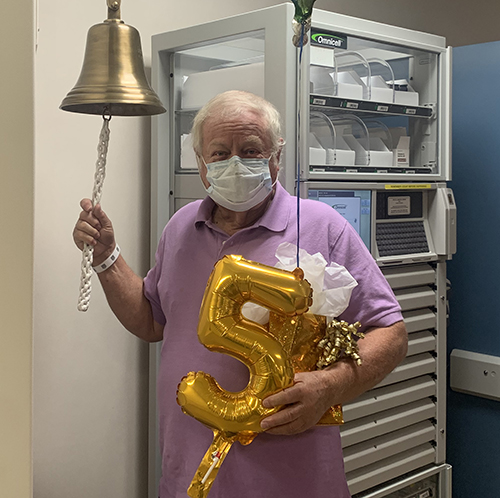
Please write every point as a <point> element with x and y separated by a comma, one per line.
<point>381,350</point>
<point>313,392</point>
<point>125,295</point>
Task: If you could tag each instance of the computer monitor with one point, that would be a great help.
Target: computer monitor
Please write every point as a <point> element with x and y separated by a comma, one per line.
<point>353,205</point>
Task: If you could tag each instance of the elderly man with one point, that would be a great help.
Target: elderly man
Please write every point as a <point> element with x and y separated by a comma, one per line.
<point>237,140</point>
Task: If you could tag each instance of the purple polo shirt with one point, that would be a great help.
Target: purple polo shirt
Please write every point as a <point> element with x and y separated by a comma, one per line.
<point>305,465</point>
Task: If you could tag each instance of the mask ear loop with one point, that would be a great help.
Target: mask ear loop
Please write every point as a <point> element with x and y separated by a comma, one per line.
<point>278,169</point>
<point>277,176</point>
<point>201,162</point>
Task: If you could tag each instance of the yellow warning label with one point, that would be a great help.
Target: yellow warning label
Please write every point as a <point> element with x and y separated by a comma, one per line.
<point>407,186</point>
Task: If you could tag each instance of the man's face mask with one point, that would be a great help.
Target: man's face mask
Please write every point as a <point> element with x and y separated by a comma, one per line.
<point>239,184</point>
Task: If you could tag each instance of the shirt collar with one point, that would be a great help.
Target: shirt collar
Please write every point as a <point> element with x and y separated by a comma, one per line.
<point>275,218</point>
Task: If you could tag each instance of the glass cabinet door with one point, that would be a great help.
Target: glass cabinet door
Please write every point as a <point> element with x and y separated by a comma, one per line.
<point>373,109</point>
<point>203,72</point>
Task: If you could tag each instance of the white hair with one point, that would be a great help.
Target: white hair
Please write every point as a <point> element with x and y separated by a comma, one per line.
<point>235,102</point>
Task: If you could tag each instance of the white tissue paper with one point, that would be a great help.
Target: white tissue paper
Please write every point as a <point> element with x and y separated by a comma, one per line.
<point>332,284</point>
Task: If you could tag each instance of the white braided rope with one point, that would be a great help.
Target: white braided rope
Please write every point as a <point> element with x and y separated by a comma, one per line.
<point>88,250</point>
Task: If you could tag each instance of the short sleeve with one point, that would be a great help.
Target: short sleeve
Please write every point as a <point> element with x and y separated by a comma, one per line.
<point>372,302</point>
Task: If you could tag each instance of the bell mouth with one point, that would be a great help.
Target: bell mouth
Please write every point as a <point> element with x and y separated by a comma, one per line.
<point>118,109</point>
<point>112,100</point>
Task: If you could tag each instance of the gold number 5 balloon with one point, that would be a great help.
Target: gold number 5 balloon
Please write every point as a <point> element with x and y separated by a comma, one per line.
<point>270,353</point>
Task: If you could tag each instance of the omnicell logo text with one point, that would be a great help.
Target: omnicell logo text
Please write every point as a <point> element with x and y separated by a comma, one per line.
<point>323,40</point>
<point>328,40</point>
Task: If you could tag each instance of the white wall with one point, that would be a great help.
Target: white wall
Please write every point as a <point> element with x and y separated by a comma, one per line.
<point>16,249</point>
<point>90,376</point>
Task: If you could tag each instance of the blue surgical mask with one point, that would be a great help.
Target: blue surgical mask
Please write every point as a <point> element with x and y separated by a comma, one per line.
<point>239,184</point>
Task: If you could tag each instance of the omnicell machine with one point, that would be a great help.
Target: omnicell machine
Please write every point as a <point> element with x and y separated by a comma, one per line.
<point>372,142</point>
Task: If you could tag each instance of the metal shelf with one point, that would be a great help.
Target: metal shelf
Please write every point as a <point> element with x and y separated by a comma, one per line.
<point>322,102</point>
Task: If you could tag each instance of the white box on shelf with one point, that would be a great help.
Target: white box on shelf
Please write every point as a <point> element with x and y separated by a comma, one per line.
<point>321,80</point>
<point>404,94</point>
<point>350,85</point>
<point>379,90</point>
<point>361,154</point>
<point>380,155</point>
<point>401,154</point>
<point>344,156</point>
<point>199,88</point>
<point>317,156</point>
<point>188,157</point>
<point>321,56</point>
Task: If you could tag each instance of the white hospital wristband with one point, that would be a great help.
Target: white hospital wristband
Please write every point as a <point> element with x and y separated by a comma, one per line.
<point>108,262</point>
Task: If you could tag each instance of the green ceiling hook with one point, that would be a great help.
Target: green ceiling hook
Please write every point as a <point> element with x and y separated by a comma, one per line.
<point>302,20</point>
<point>303,10</point>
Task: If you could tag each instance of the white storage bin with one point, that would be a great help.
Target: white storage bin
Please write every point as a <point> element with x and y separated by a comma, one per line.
<point>379,90</point>
<point>350,85</point>
<point>317,153</point>
<point>321,80</point>
<point>317,156</point>
<point>344,155</point>
<point>380,155</point>
<point>362,156</point>
<point>405,97</point>
<point>188,157</point>
<point>321,149</point>
<point>351,66</point>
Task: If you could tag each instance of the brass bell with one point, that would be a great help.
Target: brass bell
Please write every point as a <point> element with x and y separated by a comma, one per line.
<point>113,80</point>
